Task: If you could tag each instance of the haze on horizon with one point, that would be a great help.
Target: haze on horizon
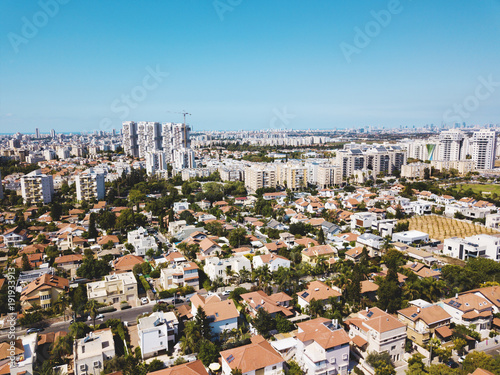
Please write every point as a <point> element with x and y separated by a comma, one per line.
<point>240,64</point>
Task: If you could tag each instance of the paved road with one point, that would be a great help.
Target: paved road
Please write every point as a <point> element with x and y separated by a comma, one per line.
<point>128,315</point>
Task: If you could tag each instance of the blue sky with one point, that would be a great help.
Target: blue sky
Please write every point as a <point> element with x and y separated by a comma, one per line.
<point>247,64</point>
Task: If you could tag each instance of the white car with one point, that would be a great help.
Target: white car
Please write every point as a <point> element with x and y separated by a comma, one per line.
<point>225,293</point>
<point>144,300</point>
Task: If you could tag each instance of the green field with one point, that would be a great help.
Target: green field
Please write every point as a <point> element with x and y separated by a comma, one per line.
<point>479,188</point>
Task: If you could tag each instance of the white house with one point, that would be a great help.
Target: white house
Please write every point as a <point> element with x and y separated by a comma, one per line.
<point>223,315</point>
<point>493,221</point>
<point>157,332</point>
<point>480,245</point>
<point>23,356</point>
<point>322,347</point>
<point>141,241</point>
<point>471,310</point>
<point>215,267</point>
<point>363,220</point>
<point>411,236</point>
<point>376,330</point>
<point>372,242</point>
<point>91,351</point>
<point>181,206</point>
<point>273,261</point>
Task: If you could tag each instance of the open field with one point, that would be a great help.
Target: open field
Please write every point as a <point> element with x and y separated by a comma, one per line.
<point>479,188</point>
<point>439,227</point>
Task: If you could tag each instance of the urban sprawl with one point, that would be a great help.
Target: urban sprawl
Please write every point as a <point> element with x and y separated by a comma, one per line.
<point>155,249</point>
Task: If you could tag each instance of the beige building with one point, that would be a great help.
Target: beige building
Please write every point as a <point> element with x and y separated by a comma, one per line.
<point>43,291</point>
<point>91,351</point>
<point>414,170</point>
<point>260,176</point>
<point>328,175</point>
<point>462,166</point>
<point>421,323</point>
<point>114,289</point>
<point>90,185</point>
<point>292,175</point>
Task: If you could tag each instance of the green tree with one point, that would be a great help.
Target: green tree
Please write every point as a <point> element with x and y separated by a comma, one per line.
<point>238,237</point>
<point>208,352</point>
<point>92,229</point>
<point>203,324</point>
<point>321,236</point>
<point>264,323</point>
<point>26,263</point>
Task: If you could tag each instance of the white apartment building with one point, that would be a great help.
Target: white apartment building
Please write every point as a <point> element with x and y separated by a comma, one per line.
<point>260,176</point>
<point>91,351</point>
<point>157,332</point>
<point>23,363</point>
<point>215,267</point>
<point>114,289</point>
<point>156,161</point>
<point>181,274</point>
<point>141,241</point>
<point>380,160</point>
<point>483,145</point>
<point>90,185</point>
<point>183,158</point>
<point>376,330</point>
<point>37,187</point>
<point>322,347</point>
<point>451,145</point>
<point>480,245</point>
<point>328,175</point>
<point>129,134</point>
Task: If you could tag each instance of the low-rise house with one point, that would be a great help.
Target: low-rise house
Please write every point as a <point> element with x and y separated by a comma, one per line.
<point>421,323</point>
<point>68,262</point>
<point>372,242</point>
<point>14,237</point>
<point>377,331</point>
<point>114,289</point>
<point>363,220</point>
<point>223,315</point>
<point>423,271</point>
<point>157,333</point>
<point>354,254</point>
<point>141,241</point>
<point>190,368</point>
<point>179,275</point>
<point>491,293</point>
<point>313,253</point>
<point>225,267</point>
<point>209,247</point>
<point>318,291</point>
<point>470,310</point>
<point>278,303</point>
<point>127,262</point>
<point>43,291</point>
<point>91,351</point>
<point>273,261</point>
<point>322,347</point>
<point>256,358</point>
<point>410,237</point>
<point>19,356</point>
<point>479,245</point>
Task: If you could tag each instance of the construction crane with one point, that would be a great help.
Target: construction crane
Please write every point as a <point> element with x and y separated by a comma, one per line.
<point>185,128</point>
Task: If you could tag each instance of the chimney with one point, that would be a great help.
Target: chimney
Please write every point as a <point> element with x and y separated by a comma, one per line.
<point>418,310</point>
<point>366,308</point>
<point>456,295</point>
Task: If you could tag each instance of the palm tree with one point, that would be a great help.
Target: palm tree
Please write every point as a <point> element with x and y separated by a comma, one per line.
<point>62,302</point>
<point>62,347</point>
<point>244,275</point>
<point>191,338</point>
<point>91,308</point>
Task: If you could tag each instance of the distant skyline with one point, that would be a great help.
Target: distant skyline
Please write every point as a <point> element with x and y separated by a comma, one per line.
<point>77,66</point>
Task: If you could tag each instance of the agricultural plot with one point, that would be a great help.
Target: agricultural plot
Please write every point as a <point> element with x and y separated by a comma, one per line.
<point>439,227</point>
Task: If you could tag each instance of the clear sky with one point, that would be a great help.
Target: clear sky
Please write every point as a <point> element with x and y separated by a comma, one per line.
<point>248,64</point>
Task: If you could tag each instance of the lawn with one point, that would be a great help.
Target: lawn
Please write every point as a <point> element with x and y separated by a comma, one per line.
<point>479,188</point>
<point>439,227</point>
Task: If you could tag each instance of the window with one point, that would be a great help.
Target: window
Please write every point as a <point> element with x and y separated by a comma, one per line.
<point>83,367</point>
<point>97,364</point>
<point>393,347</point>
<point>274,367</point>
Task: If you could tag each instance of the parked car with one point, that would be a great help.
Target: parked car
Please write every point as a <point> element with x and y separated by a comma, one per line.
<point>225,293</point>
<point>144,300</point>
<point>33,330</point>
<point>99,316</point>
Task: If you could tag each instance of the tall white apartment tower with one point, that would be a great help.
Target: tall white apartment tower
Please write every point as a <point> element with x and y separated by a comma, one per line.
<point>89,185</point>
<point>148,137</point>
<point>129,132</point>
<point>451,145</point>
<point>37,187</point>
<point>483,145</point>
